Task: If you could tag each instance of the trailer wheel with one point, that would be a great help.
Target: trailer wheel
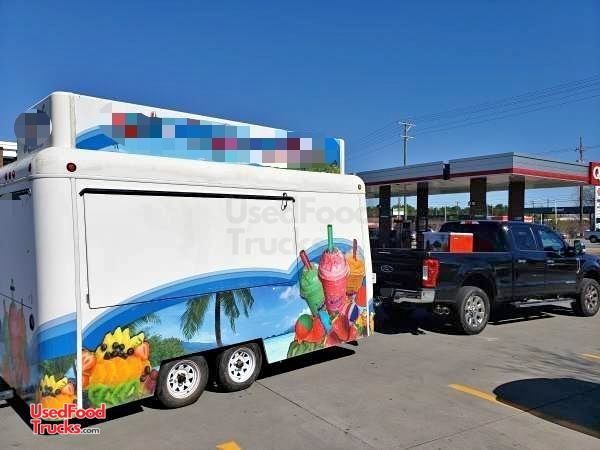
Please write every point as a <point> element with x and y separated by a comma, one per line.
<point>588,303</point>
<point>473,309</point>
<point>182,381</point>
<point>238,367</point>
<point>593,239</point>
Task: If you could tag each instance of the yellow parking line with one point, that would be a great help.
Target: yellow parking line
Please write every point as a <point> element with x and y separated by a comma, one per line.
<point>476,392</point>
<point>589,355</point>
<point>229,445</point>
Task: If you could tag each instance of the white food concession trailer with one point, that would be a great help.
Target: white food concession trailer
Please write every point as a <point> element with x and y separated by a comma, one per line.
<point>138,241</point>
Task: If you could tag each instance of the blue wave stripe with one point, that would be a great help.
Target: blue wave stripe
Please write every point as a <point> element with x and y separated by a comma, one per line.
<point>57,330</point>
<point>56,321</point>
<point>64,344</point>
<point>57,337</point>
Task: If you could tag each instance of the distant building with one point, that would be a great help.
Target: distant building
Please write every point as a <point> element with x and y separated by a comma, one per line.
<point>8,152</point>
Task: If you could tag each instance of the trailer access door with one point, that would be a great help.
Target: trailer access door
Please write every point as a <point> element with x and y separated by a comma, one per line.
<point>151,246</point>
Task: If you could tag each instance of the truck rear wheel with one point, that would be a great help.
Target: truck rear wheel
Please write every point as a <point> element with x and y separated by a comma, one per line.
<point>182,381</point>
<point>238,367</point>
<point>588,303</point>
<point>473,309</point>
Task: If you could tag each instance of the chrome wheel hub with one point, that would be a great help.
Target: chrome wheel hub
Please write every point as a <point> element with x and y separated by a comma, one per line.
<point>183,379</point>
<point>241,365</point>
<point>590,298</point>
<point>474,311</point>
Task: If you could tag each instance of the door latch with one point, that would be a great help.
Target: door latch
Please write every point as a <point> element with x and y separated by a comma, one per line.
<point>284,201</point>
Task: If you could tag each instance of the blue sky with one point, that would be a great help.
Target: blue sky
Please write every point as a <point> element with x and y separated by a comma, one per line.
<point>339,68</point>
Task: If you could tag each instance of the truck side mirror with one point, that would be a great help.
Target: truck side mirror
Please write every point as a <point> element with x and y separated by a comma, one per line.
<point>578,246</point>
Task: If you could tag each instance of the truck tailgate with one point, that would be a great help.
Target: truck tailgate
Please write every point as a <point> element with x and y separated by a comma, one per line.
<point>398,268</point>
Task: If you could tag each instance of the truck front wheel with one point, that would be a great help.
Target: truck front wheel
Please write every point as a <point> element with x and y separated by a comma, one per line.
<point>473,309</point>
<point>588,303</point>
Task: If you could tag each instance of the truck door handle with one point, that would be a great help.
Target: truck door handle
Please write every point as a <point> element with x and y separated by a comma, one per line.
<point>550,262</point>
<point>521,261</point>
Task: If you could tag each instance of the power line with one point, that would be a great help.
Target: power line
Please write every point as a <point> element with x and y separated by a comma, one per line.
<point>516,108</point>
<point>516,98</point>
<point>389,130</point>
<point>443,128</point>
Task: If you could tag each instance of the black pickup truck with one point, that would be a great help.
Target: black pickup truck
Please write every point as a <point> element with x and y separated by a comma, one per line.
<point>511,262</point>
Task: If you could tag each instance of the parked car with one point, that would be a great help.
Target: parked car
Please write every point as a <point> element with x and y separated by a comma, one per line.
<point>512,262</point>
<point>592,235</point>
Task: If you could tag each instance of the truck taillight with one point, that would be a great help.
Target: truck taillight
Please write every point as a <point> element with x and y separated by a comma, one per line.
<point>431,270</point>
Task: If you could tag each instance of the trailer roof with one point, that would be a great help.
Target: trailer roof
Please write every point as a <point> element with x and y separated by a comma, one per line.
<point>98,165</point>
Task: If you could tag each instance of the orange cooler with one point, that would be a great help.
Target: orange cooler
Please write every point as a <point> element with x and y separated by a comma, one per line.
<point>461,242</point>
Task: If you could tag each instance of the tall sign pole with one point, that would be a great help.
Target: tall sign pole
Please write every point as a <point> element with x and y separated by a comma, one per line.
<point>580,160</point>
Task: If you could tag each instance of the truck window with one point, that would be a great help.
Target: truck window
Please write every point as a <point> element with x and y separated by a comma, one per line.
<point>551,242</point>
<point>487,237</point>
<point>523,237</point>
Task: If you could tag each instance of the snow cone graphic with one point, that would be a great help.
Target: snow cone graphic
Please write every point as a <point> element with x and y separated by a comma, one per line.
<point>356,273</point>
<point>333,271</point>
<point>311,290</point>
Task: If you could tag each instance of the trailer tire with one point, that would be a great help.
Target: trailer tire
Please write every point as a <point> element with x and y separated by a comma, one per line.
<point>588,301</point>
<point>238,367</point>
<point>473,309</point>
<point>593,239</point>
<point>182,381</point>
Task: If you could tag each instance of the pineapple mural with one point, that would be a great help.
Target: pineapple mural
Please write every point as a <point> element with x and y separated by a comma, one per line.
<point>119,370</point>
<point>55,394</point>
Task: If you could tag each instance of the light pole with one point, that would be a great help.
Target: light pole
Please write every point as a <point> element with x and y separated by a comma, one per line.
<point>405,138</point>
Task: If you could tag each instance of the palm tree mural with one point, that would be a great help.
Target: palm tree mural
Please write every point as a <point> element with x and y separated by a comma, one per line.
<point>142,323</point>
<point>229,301</point>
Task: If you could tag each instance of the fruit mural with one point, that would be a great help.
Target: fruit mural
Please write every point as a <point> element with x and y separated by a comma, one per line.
<point>118,370</point>
<point>13,334</point>
<point>55,394</point>
<point>335,293</point>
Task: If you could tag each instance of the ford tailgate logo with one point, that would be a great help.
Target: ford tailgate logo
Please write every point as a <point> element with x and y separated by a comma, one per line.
<point>386,269</point>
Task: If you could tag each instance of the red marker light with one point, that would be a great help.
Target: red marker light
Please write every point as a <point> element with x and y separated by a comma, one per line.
<point>71,167</point>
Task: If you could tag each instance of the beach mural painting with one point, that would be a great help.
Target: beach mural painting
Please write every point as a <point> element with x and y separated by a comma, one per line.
<point>324,304</point>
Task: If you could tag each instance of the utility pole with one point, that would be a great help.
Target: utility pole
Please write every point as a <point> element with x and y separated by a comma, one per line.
<point>445,215</point>
<point>405,137</point>
<point>580,160</point>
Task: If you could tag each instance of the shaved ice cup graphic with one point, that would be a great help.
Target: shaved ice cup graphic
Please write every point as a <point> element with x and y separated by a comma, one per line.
<point>311,290</point>
<point>356,273</point>
<point>333,271</point>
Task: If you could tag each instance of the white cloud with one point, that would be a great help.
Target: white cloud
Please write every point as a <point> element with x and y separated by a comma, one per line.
<point>290,293</point>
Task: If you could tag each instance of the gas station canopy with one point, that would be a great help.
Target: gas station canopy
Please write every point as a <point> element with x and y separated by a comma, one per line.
<point>514,172</point>
<point>499,169</point>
